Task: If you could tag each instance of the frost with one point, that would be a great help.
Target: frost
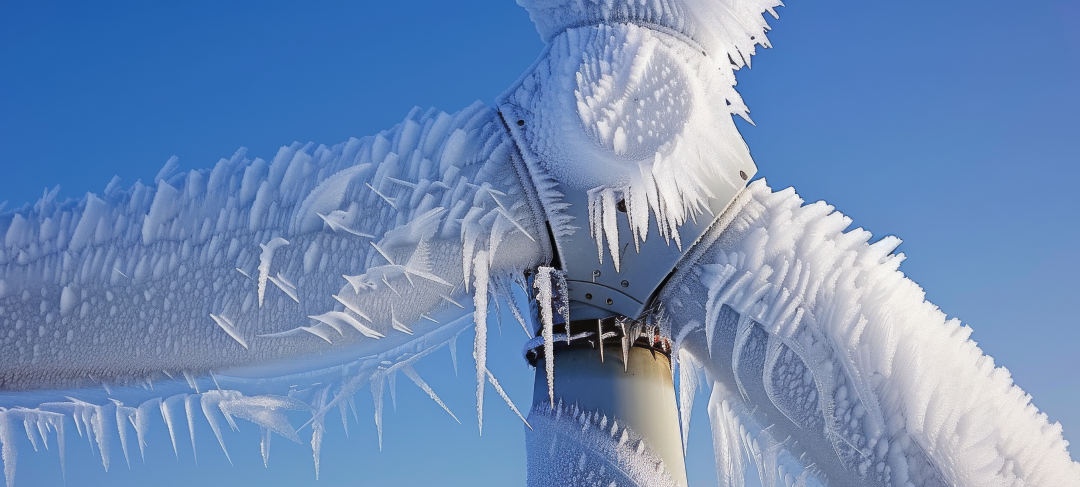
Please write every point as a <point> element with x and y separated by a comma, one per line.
<point>825,362</point>
<point>544,289</point>
<point>568,445</point>
<point>480,343</point>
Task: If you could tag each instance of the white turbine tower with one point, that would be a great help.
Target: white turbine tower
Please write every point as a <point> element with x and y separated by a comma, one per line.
<point>603,200</point>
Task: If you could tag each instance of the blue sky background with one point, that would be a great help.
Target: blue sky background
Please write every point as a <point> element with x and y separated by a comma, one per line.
<point>952,125</point>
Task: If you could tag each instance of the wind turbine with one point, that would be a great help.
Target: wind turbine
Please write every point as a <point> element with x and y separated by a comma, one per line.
<point>272,288</point>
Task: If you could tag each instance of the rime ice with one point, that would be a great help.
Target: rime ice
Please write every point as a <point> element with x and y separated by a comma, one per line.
<point>209,295</point>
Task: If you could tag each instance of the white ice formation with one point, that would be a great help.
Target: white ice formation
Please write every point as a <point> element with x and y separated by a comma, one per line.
<point>261,269</point>
<point>273,291</point>
<point>825,360</point>
<point>591,450</point>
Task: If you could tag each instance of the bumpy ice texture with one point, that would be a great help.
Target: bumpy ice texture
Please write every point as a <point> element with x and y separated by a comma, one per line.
<point>573,446</point>
<point>260,269</point>
<point>826,363</point>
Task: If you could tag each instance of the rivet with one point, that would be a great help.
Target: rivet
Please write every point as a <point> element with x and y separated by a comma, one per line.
<point>521,122</point>
<point>588,295</point>
<point>703,53</point>
<point>621,206</point>
<point>625,283</point>
<point>610,302</point>
<point>742,175</point>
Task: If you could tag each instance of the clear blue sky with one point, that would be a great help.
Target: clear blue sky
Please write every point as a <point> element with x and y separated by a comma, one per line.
<point>952,125</point>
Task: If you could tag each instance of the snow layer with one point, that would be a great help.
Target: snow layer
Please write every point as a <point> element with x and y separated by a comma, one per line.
<point>824,359</point>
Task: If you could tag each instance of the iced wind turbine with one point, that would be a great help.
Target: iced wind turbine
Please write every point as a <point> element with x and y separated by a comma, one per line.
<point>273,291</point>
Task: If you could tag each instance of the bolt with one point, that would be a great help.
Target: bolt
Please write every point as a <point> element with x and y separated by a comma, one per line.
<point>625,283</point>
<point>521,122</point>
<point>588,295</point>
<point>610,302</point>
<point>742,175</point>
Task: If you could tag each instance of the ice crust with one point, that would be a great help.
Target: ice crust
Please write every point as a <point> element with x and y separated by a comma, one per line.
<point>247,291</point>
<point>825,360</point>
<point>257,261</point>
<point>569,445</point>
<point>261,270</point>
<point>622,115</point>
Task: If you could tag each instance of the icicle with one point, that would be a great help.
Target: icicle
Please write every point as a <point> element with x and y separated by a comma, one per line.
<point>506,398</point>
<point>318,428</point>
<point>265,259</point>
<point>391,382</point>
<point>600,338</point>
<point>688,384</point>
<point>264,446</point>
<point>542,283</point>
<point>96,418</point>
<point>377,397</point>
<point>8,453</point>
<point>29,426</point>
<point>191,381</point>
<point>209,401</point>
<point>727,450</point>
<point>343,407</point>
<point>411,374</point>
<point>123,417</point>
<point>142,423</point>
<point>189,408</point>
<point>563,294</point>
<point>227,325</point>
<point>627,342</point>
<point>506,290</point>
<point>453,352</point>
<point>480,270</point>
<point>399,326</point>
<point>56,422</point>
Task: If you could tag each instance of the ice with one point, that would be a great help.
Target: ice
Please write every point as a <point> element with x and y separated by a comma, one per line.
<point>827,363</point>
<point>211,400</point>
<point>480,297</point>
<point>542,283</point>
<point>568,445</point>
<point>124,416</point>
<point>169,411</point>
<point>265,260</point>
<point>337,320</point>
<point>688,385</point>
<point>282,283</point>
<point>142,422</point>
<point>189,408</point>
<point>227,325</point>
<point>413,376</point>
<point>318,427</point>
<point>264,446</point>
<point>36,423</point>
<point>210,229</point>
<point>505,398</point>
<point>377,384</point>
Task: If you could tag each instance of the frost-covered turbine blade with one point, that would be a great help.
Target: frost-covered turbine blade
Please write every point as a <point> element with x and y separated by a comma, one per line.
<point>257,269</point>
<point>827,361</point>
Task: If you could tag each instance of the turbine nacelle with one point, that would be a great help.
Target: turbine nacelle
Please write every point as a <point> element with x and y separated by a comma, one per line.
<point>630,129</point>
